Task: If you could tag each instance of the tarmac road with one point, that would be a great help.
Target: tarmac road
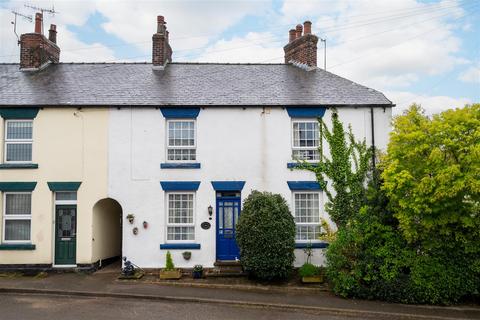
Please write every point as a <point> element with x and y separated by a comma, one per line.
<point>51,307</point>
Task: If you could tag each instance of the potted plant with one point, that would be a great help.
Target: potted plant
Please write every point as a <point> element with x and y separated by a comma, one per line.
<point>311,273</point>
<point>197,271</point>
<point>187,255</point>
<point>169,272</point>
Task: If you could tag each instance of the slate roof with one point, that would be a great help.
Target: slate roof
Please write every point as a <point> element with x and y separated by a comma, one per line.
<point>180,84</point>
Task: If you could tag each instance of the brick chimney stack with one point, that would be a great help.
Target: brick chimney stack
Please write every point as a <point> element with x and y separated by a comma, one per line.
<point>301,48</point>
<point>36,51</point>
<point>52,33</point>
<point>38,22</point>
<point>161,50</point>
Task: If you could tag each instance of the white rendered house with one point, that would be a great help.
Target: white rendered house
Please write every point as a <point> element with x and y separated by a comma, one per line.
<point>186,143</point>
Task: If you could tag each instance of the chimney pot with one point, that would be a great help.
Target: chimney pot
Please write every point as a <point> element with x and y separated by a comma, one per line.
<point>307,27</point>
<point>36,51</point>
<point>52,33</point>
<point>302,49</point>
<point>38,22</point>
<point>161,50</point>
<point>291,35</point>
<point>298,31</point>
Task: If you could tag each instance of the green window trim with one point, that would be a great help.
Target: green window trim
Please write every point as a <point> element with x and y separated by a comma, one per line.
<point>17,186</point>
<point>17,246</point>
<point>64,186</point>
<point>19,113</point>
<point>18,166</point>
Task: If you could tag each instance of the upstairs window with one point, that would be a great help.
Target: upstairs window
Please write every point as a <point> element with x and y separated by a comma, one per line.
<point>305,140</point>
<point>18,140</point>
<point>181,144</point>
<point>307,215</point>
<point>17,217</point>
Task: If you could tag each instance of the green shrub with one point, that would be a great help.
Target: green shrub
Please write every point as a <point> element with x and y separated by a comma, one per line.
<point>309,270</point>
<point>169,266</point>
<point>266,236</point>
<point>371,259</point>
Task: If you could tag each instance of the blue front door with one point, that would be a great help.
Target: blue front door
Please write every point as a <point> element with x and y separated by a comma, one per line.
<point>228,212</point>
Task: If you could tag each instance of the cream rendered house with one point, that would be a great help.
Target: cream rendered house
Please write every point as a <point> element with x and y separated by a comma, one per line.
<point>53,175</point>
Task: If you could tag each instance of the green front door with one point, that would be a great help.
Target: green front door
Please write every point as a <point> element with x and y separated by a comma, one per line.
<point>65,234</point>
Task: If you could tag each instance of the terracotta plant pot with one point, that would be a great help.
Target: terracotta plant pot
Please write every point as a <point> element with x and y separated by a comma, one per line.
<point>313,279</point>
<point>170,274</point>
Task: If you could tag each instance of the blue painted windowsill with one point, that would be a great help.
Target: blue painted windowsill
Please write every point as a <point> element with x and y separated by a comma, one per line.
<point>18,166</point>
<point>179,246</point>
<point>313,245</point>
<point>17,246</point>
<point>180,165</point>
<point>292,165</point>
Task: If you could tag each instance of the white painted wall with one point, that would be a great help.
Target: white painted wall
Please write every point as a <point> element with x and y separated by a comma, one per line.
<point>251,144</point>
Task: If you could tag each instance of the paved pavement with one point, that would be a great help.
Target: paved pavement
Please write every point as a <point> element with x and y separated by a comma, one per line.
<point>105,286</point>
<point>34,307</point>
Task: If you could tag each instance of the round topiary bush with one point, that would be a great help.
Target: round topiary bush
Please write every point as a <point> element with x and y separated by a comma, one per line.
<point>266,236</point>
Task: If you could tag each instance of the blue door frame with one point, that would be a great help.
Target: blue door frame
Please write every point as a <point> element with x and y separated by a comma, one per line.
<point>228,212</point>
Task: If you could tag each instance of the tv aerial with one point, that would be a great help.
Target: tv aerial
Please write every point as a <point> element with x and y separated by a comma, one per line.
<point>14,22</point>
<point>50,11</point>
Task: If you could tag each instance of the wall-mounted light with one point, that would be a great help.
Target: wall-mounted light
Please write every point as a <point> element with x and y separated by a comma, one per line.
<point>210,212</point>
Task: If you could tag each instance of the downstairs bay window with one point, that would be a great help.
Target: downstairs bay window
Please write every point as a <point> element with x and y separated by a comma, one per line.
<point>307,215</point>
<point>17,215</point>
<point>180,216</point>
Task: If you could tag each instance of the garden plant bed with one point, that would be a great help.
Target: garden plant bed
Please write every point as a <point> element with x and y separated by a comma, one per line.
<point>238,283</point>
<point>137,275</point>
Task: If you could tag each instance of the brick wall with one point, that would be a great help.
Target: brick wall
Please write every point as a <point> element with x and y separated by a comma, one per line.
<point>161,50</point>
<point>302,48</point>
<point>36,50</point>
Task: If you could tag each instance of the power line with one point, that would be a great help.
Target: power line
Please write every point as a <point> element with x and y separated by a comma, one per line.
<point>399,43</point>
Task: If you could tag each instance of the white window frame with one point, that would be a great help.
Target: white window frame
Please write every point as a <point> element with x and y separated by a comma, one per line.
<point>306,120</point>
<point>181,147</point>
<point>16,141</point>
<point>320,207</point>
<point>167,211</point>
<point>16,217</point>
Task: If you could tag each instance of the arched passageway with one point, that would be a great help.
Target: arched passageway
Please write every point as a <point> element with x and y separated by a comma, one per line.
<point>107,231</point>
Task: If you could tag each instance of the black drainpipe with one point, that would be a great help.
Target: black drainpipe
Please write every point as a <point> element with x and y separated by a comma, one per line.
<point>373,136</point>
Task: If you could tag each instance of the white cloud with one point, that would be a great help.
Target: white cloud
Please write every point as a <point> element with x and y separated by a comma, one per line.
<point>72,13</point>
<point>253,47</point>
<point>431,104</point>
<point>471,75</point>
<point>192,24</point>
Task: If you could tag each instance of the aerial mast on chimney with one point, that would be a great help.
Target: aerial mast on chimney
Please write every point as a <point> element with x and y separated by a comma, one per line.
<point>14,22</point>
<point>42,10</point>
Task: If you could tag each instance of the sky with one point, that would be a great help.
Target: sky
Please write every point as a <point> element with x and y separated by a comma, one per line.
<point>425,52</point>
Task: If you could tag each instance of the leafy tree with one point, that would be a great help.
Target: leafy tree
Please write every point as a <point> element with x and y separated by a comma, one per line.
<point>432,177</point>
<point>347,169</point>
<point>265,234</point>
<point>416,240</point>
<point>368,258</point>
